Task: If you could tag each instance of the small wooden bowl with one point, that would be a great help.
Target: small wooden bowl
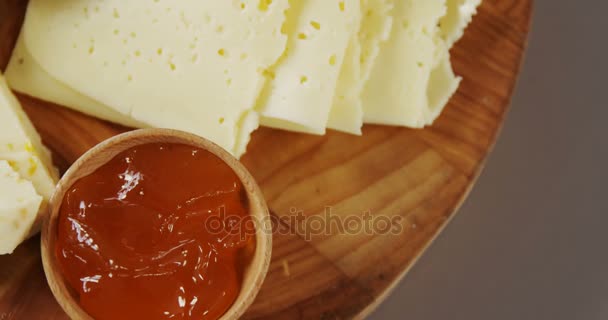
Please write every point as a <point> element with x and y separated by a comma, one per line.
<point>104,152</point>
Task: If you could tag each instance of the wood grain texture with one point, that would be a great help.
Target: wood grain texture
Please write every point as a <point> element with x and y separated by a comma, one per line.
<point>418,178</point>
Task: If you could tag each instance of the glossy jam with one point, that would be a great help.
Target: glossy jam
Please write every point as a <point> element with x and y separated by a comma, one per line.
<point>156,233</point>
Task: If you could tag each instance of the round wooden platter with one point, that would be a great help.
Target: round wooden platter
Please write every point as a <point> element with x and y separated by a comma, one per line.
<point>417,178</point>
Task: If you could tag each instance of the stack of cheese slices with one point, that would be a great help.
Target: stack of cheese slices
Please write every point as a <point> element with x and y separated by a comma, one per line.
<point>219,69</point>
<point>27,176</point>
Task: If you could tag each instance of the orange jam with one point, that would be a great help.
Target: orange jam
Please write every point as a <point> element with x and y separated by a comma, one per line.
<point>156,233</point>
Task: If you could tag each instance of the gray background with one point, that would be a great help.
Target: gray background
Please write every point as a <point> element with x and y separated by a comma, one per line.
<point>531,241</point>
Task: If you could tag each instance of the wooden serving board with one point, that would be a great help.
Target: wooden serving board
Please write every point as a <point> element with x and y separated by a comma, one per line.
<point>420,176</point>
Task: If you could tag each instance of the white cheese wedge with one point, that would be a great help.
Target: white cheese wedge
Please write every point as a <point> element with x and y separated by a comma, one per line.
<point>347,112</point>
<point>25,75</point>
<point>19,206</point>
<point>191,65</point>
<point>459,15</point>
<point>303,83</point>
<point>396,93</point>
<point>22,147</point>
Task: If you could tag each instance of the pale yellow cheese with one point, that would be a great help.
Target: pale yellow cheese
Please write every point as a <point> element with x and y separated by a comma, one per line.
<point>190,65</point>
<point>442,85</point>
<point>376,26</point>
<point>22,147</point>
<point>303,83</point>
<point>25,75</point>
<point>19,206</point>
<point>459,15</point>
<point>347,112</point>
<point>396,92</point>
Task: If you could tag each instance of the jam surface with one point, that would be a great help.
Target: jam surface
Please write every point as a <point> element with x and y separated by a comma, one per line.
<point>156,233</point>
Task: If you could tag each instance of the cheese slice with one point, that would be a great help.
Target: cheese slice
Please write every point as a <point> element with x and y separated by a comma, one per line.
<point>25,75</point>
<point>303,83</point>
<point>194,65</point>
<point>396,93</point>
<point>443,83</point>
<point>375,29</point>
<point>347,112</point>
<point>22,147</point>
<point>19,205</point>
<point>459,15</point>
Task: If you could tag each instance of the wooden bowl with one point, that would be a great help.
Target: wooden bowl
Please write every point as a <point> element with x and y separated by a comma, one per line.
<point>104,152</point>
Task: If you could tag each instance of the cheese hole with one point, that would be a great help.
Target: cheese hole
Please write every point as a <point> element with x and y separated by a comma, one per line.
<point>219,29</point>
<point>420,64</point>
<point>130,78</point>
<point>19,61</point>
<point>221,120</point>
<point>332,60</point>
<point>96,9</point>
<point>91,49</point>
<point>229,81</point>
<point>195,58</point>
<point>243,6</point>
<point>243,56</point>
<point>302,36</point>
<point>115,13</point>
<point>222,52</point>
<point>342,6</point>
<point>159,51</point>
<point>172,66</point>
<point>303,79</point>
<point>315,25</point>
<point>116,32</point>
<point>137,53</point>
<point>133,34</point>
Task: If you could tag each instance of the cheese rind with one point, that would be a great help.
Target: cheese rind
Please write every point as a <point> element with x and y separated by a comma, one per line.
<point>22,147</point>
<point>19,206</point>
<point>25,75</point>
<point>194,66</point>
<point>302,85</point>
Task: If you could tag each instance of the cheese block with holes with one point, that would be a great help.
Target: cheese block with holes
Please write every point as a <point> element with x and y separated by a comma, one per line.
<point>194,65</point>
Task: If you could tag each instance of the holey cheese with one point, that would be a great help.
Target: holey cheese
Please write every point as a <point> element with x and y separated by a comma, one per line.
<point>347,111</point>
<point>396,93</point>
<point>19,205</point>
<point>192,65</point>
<point>302,85</point>
<point>25,75</point>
